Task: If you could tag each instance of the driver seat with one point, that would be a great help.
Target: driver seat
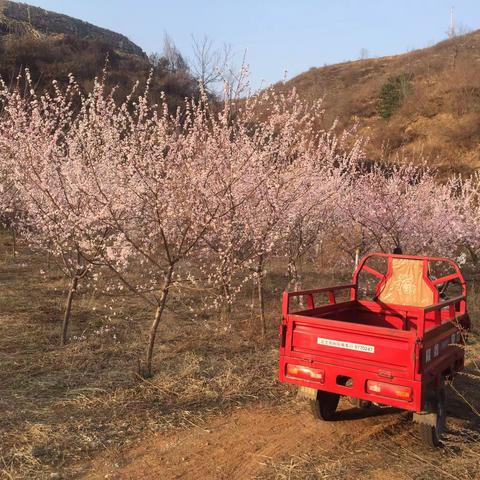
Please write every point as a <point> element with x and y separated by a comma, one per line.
<point>406,283</point>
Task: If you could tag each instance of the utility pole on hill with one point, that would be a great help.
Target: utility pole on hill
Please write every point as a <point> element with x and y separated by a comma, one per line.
<point>451,29</point>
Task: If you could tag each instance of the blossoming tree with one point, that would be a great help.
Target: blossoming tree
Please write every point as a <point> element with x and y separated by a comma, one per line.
<point>37,153</point>
<point>401,206</point>
<point>464,221</point>
<point>206,196</point>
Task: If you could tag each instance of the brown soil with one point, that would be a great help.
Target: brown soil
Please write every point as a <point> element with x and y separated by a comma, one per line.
<point>253,442</point>
<point>236,446</point>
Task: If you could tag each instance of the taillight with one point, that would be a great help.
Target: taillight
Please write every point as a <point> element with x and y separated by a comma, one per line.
<point>306,373</point>
<point>389,390</point>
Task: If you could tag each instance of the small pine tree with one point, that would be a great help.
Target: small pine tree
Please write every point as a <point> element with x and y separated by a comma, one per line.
<point>393,93</point>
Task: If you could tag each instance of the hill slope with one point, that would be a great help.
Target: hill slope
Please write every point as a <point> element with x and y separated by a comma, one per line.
<point>439,117</point>
<point>431,97</point>
<point>53,45</point>
<point>20,19</point>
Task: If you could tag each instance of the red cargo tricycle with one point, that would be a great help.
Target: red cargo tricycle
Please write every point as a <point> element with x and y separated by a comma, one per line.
<point>394,340</point>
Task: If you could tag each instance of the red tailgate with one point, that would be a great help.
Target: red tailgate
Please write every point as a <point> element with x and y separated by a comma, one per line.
<point>370,348</point>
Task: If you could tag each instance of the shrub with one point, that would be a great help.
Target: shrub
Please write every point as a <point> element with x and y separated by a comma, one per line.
<point>393,93</point>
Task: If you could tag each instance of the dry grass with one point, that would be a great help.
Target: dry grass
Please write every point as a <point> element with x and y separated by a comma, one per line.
<point>438,122</point>
<point>60,407</point>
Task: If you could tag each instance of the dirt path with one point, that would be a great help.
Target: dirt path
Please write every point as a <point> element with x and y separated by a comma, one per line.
<point>239,445</point>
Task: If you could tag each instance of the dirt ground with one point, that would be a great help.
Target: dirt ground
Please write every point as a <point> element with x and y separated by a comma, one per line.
<point>213,410</point>
<point>238,445</point>
<point>263,442</point>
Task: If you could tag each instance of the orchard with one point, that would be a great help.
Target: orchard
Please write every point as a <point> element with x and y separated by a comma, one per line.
<point>207,196</point>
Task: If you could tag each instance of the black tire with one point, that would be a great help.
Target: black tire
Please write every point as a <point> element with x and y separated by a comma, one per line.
<point>431,435</point>
<point>325,405</point>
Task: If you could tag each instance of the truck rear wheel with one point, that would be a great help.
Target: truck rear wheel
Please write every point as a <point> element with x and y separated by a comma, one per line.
<point>431,431</point>
<point>325,405</point>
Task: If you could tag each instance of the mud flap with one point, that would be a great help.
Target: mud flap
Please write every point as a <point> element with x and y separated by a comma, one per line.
<point>306,393</point>
<point>357,402</point>
<point>426,418</point>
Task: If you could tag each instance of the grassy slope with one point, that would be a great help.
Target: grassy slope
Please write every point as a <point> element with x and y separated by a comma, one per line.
<point>440,120</point>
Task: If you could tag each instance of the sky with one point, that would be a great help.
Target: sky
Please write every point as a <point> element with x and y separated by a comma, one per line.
<point>280,37</point>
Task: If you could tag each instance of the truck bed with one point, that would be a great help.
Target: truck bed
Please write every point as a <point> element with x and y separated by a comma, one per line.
<point>352,342</point>
<point>351,335</point>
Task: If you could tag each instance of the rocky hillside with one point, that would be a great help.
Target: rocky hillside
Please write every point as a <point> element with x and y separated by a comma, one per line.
<point>422,104</point>
<point>20,19</point>
<point>53,45</point>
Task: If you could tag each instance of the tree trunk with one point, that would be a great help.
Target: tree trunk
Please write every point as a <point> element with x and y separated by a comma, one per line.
<point>251,321</point>
<point>319,254</point>
<point>294,283</point>
<point>263,325</point>
<point>357,257</point>
<point>261,302</point>
<point>473,255</point>
<point>14,238</point>
<point>68,309</point>
<point>293,275</point>
<point>227,306</point>
<point>156,321</point>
